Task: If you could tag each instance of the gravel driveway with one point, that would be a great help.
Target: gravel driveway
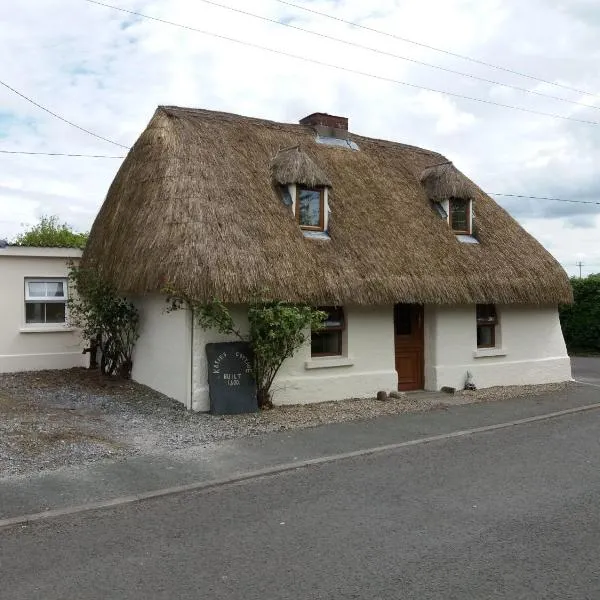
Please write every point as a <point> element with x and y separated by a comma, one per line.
<point>50,419</point>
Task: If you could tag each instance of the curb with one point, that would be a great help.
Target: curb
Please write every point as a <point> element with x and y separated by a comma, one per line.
<point>285,467</point>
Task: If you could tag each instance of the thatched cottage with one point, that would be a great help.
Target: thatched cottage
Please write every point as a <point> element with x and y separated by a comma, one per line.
<point>424,276</point>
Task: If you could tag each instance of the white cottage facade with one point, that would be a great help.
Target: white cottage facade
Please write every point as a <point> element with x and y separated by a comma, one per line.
<point>374,353</point>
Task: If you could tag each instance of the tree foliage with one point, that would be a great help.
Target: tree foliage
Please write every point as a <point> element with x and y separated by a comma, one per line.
<point>51,233</point>
<point>276,330</point>
<point>105,318</point>
<point>581,321</point>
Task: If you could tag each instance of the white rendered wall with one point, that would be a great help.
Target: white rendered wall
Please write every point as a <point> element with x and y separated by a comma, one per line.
<point>368,364</point>
<point>28,347</point>
<point>162,354</point>
<point>530,348</point>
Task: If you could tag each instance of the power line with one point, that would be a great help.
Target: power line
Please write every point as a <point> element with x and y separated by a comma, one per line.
<point>59,117</point>
<point>58,154</point>
<point>340,68</point>
<point>441,50</point>
<point>397,56</point>
<point>120,157</point>
<point>544,198</point>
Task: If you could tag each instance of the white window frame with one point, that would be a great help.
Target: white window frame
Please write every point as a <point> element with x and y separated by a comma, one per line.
<point>31,299</point>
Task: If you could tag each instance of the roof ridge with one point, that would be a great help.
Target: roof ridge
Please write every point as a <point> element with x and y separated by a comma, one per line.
<point>283,125</point>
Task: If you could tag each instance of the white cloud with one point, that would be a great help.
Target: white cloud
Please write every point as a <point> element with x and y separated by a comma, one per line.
<point>107,71</point>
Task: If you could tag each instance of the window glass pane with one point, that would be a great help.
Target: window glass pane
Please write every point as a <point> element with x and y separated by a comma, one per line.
<point>55,312</point>
<point>37,289</point>
<point>326,342</point>
<point>34,312</point>
<point>309,207</point>
<point>459,215</point>
<point>55,289</point>
<point>486,313</point>
<point>485,336</point>
<point>403,319</point>
<point>335,316</point>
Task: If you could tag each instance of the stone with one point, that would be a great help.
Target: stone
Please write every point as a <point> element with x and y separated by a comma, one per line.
<point>448,390</point>
<point>382,396</point>
<point>397,394</point>
<point>231,386</point>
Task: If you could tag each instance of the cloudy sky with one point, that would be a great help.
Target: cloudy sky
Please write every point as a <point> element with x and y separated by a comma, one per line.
<point>107,70</point>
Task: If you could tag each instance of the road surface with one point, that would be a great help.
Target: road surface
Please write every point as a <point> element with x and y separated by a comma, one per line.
<point>513,514</point>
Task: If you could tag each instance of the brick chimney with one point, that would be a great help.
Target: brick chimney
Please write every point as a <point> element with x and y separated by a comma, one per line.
<point>325,120</point>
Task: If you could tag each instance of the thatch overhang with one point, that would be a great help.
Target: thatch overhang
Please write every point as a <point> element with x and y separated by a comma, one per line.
<point>444,181</point>
<point>293,165</point>
<point>194,205</point>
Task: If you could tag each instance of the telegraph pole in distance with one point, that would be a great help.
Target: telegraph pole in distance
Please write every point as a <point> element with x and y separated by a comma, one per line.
<point>579,264</point>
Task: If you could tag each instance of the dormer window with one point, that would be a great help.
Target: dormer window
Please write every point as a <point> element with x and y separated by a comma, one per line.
<point>310,208</point>
<point>459,215</point>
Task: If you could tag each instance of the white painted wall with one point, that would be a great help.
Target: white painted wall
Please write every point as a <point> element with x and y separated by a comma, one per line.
<point>162,353</point>
<point>170,354</point>
<point>367,367</point>
<point>26,347</point>
<point>530,347</point>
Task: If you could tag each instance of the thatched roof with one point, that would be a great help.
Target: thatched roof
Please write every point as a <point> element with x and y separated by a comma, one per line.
<point>194,204</point>
<point>444,181</point>
<point>293,165</point>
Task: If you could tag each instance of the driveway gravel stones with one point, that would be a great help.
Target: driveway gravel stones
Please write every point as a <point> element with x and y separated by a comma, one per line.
<point>51,419</point>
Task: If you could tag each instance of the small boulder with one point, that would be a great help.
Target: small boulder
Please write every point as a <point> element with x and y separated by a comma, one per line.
<point>382,396</point>
<point>448,390</point>
<point>397,394</point>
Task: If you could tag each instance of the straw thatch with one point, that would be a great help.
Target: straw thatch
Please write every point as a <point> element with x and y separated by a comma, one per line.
<point>194,205</point>
<point>444,181</point>
<point>292,165</point>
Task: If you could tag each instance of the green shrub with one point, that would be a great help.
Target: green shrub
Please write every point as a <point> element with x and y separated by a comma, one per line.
<point>50,233</point>
<point>581,321</point>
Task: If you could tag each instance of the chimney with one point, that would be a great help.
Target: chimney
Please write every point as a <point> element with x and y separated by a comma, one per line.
<point>326,121</point>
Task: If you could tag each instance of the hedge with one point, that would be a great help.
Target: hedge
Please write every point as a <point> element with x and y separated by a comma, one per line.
<point>581,321</point>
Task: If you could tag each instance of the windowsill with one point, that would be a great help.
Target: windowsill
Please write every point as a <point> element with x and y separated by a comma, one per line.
<point>47,329</point>
<point>487,352</point>
<point>327,362</point>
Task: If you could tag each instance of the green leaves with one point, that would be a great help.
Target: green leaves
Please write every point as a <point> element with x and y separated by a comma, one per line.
<point>276,331</point>
<point>104,315</point>
<point>581,320</point>
<point>50,233</point>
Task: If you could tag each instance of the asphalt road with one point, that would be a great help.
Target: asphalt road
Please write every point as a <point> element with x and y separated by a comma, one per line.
<point>512,514</point>
<point>586,368</point>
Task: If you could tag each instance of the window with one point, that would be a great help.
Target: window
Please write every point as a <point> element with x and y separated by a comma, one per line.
<point>328,341</point>
<point>45,301</point>
<point>487,320</point>
<point>310,208</point>
<point>460,215</point>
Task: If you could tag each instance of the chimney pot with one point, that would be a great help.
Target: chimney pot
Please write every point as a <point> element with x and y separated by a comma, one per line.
<point>325,120</point>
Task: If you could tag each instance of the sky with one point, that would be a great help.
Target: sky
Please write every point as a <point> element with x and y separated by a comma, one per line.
<point>107,70</point>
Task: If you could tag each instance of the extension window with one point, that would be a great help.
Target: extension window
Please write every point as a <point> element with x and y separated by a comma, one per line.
<point>45,301</point>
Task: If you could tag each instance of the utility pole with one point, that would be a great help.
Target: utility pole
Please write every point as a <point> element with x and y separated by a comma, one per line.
<point>579,264</point>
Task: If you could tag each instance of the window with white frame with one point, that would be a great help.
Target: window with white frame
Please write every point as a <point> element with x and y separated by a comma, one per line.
<point>45,301</point>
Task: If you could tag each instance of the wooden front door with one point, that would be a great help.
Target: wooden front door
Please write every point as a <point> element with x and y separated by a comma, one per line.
<point>409,344</point>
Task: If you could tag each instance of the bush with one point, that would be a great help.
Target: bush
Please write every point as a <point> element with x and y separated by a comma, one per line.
<point>581,321</point>
<point>105,318</point>
<point>276,331</point>
<point>50,233</point>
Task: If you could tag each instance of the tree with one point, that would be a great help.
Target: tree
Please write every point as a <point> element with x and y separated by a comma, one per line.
<point>276,331</point>
<point>105,318</point>
<point>50,233</point>
<point>580,321</point>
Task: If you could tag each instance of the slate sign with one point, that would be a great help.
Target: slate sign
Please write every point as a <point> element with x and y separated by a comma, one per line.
<point>231,385</point>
